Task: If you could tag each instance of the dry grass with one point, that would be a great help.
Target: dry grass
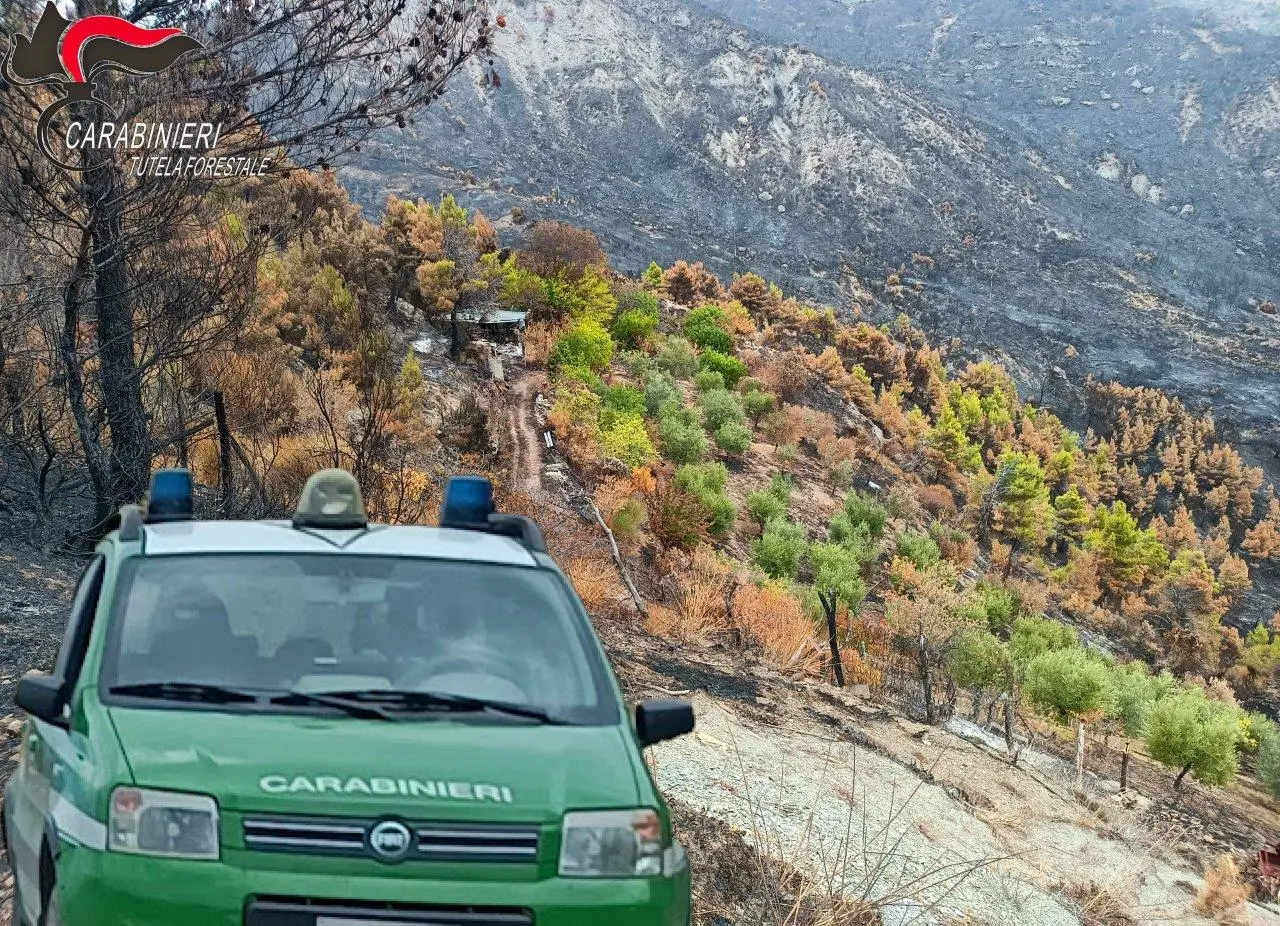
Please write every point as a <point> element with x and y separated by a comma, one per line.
<point>538,338</point>
<point>1224,895</point>
<point>1095,904</point>
<point>841,879</point>
<point>595,579</point>
<point>773,619</point>
<point>727,882</point>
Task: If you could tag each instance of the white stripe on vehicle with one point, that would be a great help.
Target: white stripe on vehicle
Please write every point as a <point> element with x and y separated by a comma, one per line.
<point>76,826</point>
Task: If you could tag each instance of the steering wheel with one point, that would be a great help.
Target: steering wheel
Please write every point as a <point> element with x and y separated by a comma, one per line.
<point>495,665</point>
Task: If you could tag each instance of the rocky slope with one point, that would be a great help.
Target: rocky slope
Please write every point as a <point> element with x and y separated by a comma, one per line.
<point>1084,173</point>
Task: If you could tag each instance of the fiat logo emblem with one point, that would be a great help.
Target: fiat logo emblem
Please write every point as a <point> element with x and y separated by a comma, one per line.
<point>390,841</point>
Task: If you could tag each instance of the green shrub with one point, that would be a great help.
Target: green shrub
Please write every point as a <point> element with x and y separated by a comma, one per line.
<point>660,390</point>
<point>771,502</point>
<point>683,440</point>
<point>979,661</point>
<point>624,400</point>
<point>633,328</point>
<point>781,486</point>
<point>749,385</point>
<point>787,453</point>
<point>837,569</point>
<point>638,300</point>
<point>1137,692</point>
<point>1269,762</point>
<point>764,506</point>
<point>731,368</point>
<point>1033,635</point>
<point>758,404</point>
<point>919,548</point>
<point>780,549</point>
<point>993,606</point>
<point>859,515</point>
<point>626,521</point>
<point>706,482</point>
<point>638,364</point>
<point>586,344</point>
<point>720,407</point>
<point>584,375</point>
<point>677,357</point>
<point>708,327</point>
<point>706,380</point>
<point>840,475</point>
<point>734,438</point>
<point>625,437</point>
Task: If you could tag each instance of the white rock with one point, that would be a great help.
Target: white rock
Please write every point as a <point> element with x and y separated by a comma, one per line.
<point>1061,100</point>
<point>1136,85</point>
<point>1148,90</point>
<point>1187,210</point>
<point>1109,167</point>
<point>1115,105</point>
<point>782,208</point>
<point>1136,69</point>
<point>1140,184</point>
<point>743,120</point>
<point>1104,94</point>
<point>765,196</point>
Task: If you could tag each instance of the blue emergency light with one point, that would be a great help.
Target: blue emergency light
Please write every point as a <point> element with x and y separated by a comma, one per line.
<point>468,502</point>
<point>171,497</point>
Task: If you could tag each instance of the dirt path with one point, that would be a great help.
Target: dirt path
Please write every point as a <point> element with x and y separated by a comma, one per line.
<point>526,438</point>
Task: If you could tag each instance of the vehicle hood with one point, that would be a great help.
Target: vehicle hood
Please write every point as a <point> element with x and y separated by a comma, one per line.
<point>442,769</point>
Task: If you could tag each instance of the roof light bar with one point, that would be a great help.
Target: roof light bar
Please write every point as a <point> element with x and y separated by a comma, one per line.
<point>171,496</point>
<point>468,502</point>
<point>331,500</point>
<point>468,505</point>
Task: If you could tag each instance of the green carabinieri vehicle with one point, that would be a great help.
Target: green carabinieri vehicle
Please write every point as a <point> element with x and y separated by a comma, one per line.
<point>326,722</point>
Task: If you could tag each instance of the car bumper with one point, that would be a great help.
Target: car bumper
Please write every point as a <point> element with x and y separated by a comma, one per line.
<point>104,887</point>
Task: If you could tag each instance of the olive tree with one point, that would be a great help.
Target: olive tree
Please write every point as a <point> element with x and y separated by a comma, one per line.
<point>1071,685</point>
<point>1193,733</point>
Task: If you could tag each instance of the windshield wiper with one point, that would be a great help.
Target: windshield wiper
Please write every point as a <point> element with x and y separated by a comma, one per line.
<point>442,701</point>
<point>186,691</point>
<point>341,701</point>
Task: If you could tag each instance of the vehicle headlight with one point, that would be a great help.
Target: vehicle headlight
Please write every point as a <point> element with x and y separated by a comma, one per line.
<point>612,844</point>
<point>167,823</point>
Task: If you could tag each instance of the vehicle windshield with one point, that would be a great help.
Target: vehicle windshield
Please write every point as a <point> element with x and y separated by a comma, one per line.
<point>279,623</point>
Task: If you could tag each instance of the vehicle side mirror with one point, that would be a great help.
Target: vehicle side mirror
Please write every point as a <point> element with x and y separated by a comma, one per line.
<point>42,696</point>
<point>661,719</point>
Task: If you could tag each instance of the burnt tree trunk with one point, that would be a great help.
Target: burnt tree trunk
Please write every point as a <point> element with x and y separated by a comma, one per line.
<point>1124,769</point>
<point>86,430</point>
<point>1079,756</point>
<point>829,606</point>
<point>1177,782</point>
<point>226,475</point>
<point>1008,721</point>
<point>926,679</point>
<point>130,459</point>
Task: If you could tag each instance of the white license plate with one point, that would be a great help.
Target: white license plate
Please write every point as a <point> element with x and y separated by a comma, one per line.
<point>348,921</point>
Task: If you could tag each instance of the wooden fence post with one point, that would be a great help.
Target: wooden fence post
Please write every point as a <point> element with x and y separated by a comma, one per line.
<point>225,473</point>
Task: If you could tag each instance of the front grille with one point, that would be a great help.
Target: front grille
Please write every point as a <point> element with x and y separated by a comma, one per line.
<point>297,911</point>
<point>436,842</point>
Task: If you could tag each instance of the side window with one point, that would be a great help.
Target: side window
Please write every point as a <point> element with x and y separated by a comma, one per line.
<point>76,639</point>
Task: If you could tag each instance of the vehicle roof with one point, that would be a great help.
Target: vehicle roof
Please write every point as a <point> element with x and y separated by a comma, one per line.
<point>179,537</point>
